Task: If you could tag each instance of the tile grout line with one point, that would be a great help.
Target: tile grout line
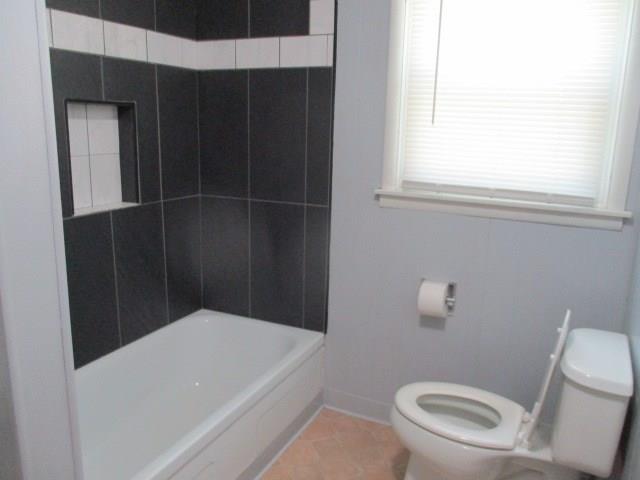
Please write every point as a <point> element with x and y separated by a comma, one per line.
<point>304,216</point>
<point>262,200</point>
<point>198,132</point>
<point>164,252</point>
<point>134,205</point>
<point>86,114</point>
<point>200,202</point>
<point>201,263</point>
<point>248,18</point>
<point>249,256</point>
<point>115,278</point>
<point>164,246</point>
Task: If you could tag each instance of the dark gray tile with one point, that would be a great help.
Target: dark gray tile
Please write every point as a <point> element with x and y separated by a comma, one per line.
<point>140,13</point>
<point>176,17</point>
<point>319,135</point>
<point>130,81</point>
<point>225,255</point>
<point>140,270</point>
<point>182,243</point>
<point>278,133</point>
<point>75,76</point>
<point>177,98</point>
<point>223,132</point>
<point>315,282</point>
<point>277,244</point>
<point>90,8</point>
<point>92,291</point>
<point>284,17</point>
<point>222,19</point>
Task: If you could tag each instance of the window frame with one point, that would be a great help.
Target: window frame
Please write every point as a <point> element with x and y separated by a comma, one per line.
<point>611,215</point>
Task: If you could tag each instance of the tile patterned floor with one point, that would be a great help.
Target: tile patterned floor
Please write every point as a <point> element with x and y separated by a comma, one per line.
<point>336,446</point>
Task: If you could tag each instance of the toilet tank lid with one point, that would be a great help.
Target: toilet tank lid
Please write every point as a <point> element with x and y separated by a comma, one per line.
<point>599,360</point>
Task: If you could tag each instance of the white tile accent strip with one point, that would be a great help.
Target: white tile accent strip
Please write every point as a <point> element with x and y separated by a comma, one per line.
<point>77,32</point>
<point>258,53</point>
<point>125,41</point>
<point>321,15</point>
<point>216,55</point>
<point>189,54</point>
<point>164,49</point>
<point>310,51</point>
<point>91,35</point>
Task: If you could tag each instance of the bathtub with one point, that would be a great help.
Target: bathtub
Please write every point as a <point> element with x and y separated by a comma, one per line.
<point>206,397</point>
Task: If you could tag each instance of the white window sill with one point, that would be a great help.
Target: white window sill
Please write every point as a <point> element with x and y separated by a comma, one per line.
<point>504,209</point>
<point>102,208</point>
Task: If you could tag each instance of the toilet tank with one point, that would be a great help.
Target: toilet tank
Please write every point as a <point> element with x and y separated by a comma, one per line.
<point>597,384</point>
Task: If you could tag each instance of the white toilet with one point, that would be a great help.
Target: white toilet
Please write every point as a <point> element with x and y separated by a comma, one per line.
<point>456,432</point>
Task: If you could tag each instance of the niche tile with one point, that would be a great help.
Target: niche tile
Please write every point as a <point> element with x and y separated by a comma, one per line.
<point>129,81</point>
<point>90,8</point>
<point>182,240</point>
<point>281,18</point>
<point>81,182</point>
<point>278,134</point>
<point>223,132</point>
<point>74,76</point>
<point>92,291</point>
<point>177,17</point>
<point>139,13</point>
<point>319,135</point>
<point>140,270</point>
<point>219,19</point>
<point>315,284</point>
<point>106,182</point>
<point>103,129</point>
<point>177,96</point>
<point>277,243</point>
<point>225,255</point>
<point>78,133</point>
<point>101,177</point>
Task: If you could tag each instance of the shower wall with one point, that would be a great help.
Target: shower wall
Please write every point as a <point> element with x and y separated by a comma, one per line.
<point>233,141</point>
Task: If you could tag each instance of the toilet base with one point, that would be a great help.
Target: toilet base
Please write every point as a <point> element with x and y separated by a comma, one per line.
<point>513,470</point>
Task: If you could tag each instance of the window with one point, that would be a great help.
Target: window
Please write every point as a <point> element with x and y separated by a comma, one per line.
<point>513,108</point>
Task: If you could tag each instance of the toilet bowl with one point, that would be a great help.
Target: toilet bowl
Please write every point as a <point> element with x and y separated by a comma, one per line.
<point>457,432</point>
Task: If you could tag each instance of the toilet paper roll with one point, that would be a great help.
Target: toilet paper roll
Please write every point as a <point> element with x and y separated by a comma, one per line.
<point>432,299</point>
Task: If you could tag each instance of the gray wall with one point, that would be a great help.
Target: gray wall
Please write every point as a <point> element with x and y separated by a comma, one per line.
<point>9,455</point>
<point>632,463</point>
<point>515,279</point>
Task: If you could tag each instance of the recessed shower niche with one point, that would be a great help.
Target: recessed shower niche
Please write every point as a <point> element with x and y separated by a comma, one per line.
<point>102,155</point>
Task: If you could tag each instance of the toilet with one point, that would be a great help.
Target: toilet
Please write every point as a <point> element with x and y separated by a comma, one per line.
<point>457,432</point>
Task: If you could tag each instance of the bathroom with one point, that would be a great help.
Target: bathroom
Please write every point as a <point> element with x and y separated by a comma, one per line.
<point>214,266</point>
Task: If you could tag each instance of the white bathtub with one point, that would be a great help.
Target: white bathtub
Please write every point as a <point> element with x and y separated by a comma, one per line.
<point>202,398</point>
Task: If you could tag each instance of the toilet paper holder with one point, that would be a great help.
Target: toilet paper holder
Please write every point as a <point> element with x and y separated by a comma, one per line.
<point>450,300</point>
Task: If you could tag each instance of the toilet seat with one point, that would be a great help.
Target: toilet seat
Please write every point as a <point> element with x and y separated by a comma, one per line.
<point>461,413</point>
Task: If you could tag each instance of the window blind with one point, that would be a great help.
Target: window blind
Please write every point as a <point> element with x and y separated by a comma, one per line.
<point>512,98</point>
